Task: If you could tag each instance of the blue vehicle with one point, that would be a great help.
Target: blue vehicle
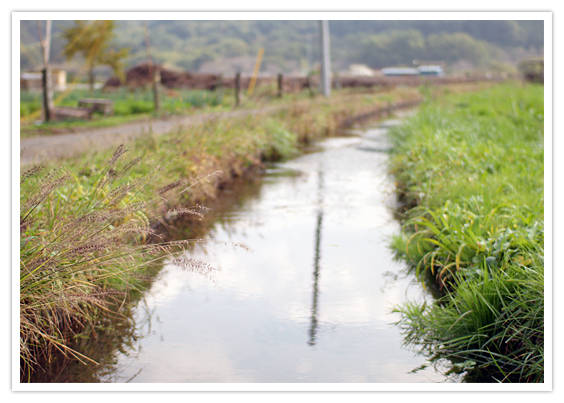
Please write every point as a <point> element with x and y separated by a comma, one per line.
<point>431,71</point>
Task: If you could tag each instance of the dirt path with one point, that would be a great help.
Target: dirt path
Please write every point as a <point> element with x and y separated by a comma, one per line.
<point>38,150</point>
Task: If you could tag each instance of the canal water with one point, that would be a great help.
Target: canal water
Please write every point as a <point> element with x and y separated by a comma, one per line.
<point>310,302</point>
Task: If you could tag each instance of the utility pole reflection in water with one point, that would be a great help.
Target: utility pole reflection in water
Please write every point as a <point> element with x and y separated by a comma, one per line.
<point>317,258</point>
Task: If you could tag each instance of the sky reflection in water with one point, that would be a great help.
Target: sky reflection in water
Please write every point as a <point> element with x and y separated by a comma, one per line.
<point>310,304</point>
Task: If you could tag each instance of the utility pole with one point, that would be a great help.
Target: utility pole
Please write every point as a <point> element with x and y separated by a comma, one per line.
<point>48,104</point>
<point>325,59</point>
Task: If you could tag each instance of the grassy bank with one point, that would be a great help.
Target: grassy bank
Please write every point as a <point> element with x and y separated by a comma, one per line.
<point>84,229</point>
<point>469,169</point>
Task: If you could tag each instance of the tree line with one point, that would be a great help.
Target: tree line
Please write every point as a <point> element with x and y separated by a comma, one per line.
<point>294,45</point>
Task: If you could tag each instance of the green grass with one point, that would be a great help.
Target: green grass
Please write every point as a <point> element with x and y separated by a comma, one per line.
<point>470,171</point>
<point>128,107</point>
<point>128,102</point>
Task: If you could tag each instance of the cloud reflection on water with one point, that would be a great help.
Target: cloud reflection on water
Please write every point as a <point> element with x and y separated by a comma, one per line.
<point>311,304</point>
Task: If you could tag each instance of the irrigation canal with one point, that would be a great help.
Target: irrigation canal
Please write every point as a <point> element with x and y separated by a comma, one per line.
<point>312,302</point>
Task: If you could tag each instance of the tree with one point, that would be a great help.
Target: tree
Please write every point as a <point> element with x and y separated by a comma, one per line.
<point>453,47</point>
<point>93,40</point>
<point>393,48</point>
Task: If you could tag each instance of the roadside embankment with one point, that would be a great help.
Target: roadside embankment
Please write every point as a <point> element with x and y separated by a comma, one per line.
<point>470,170</point>
<point>42,149</point>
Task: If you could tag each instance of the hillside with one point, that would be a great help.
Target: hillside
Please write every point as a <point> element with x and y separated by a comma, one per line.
<point>292,46</point>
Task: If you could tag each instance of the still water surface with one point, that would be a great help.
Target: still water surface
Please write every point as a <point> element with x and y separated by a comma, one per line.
<point>312,301</point>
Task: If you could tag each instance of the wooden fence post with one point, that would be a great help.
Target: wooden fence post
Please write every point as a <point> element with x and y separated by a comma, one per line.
<point>48,106</point>
<point>237,89</point>
<point>280,85</point>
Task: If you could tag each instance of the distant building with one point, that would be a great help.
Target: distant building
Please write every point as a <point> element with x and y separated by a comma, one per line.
<point>359,70</point>
<point>30,81</point>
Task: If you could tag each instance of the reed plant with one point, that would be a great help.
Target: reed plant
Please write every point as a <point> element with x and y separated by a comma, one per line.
<point>83,248</point>
<point>469,169</point>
